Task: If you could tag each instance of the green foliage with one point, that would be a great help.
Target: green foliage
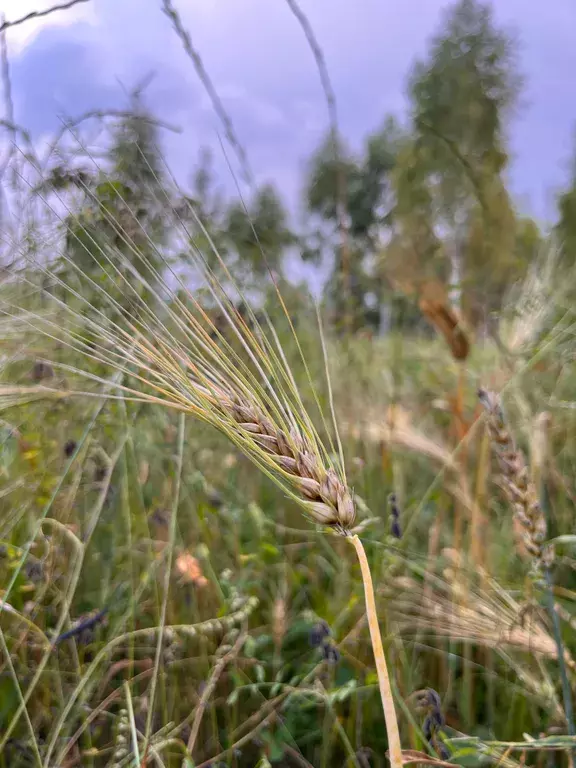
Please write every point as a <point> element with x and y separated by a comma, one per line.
<point>259,235</point>
<point>120,223</point>
<point>464,91</point>
<point>566,225</point>
<point>353,197</point>
<point>461,97</point>
<point>431,202</point>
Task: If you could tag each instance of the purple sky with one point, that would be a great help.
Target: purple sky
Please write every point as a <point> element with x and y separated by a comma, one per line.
<point>263,69</point>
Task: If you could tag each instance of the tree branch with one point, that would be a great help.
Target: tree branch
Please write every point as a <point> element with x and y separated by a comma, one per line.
<point>39,14</point>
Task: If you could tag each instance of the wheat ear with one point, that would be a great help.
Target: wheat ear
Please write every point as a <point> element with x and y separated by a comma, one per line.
<point>517,485</point>
<point>523,496</point>
<point>325,496</point>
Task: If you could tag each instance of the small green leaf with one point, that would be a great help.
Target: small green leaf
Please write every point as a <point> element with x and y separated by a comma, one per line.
<point>249,647</point>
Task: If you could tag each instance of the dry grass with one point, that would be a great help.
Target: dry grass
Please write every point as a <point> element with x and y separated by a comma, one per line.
<point>487,616</point>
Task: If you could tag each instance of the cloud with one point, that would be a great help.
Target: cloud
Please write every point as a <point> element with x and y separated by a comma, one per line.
<point>264,71</point>
<point>55,78</point>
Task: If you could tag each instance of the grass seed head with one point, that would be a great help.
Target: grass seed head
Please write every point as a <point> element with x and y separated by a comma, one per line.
<point>326,498</point>
<point>516,483</point>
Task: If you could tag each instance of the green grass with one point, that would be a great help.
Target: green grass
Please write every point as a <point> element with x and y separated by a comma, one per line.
<point>275,697</point>
<point>214,584</point>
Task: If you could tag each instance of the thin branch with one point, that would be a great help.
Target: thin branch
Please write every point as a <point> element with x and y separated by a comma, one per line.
<point>39,14</point>
<point>320,60</point>
<point>193,54</point>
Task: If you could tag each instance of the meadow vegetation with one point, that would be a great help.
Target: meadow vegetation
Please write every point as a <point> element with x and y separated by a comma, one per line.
<point>190,442</point>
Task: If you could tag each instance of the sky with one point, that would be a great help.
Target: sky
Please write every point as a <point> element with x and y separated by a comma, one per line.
<point>254,50</point>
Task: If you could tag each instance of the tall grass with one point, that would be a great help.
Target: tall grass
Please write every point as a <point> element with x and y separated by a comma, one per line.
<point>114,499</point>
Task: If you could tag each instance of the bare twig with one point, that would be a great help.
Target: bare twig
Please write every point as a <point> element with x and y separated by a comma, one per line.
<point>196,59</point>
<point>39,14</point>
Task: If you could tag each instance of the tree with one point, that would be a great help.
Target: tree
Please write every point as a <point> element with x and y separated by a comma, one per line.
<point>259,236</point>
<point>119,224</point>
<point>361,188</point>
<point>413,256</point>
<point>461,95</point>
<point>566,225</point>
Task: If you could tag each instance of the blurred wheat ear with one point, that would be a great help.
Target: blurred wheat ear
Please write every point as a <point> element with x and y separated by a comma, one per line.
<point>523,496</point>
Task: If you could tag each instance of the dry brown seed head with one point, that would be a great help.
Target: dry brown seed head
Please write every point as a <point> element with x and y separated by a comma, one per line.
<point>267,442</point>
<point>267,428</point>
<point>288,464</point>
<point>244,413</point>
<point>516,483</point>
<point>250,426</point>
<point>283,444</point>
<point>297,441</point>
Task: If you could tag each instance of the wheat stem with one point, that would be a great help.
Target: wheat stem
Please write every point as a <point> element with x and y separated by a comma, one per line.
<point>394,745</point>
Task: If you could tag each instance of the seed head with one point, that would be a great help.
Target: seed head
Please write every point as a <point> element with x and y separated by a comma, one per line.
<point>324,495</point>
<point>515,482</point>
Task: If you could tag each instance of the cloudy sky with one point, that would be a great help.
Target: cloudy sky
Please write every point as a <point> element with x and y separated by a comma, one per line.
<point>256,55</point>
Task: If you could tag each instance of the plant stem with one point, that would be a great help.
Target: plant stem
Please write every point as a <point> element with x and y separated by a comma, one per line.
<point>394,745</point>
<point>566,689</point>
<point>556,629</point>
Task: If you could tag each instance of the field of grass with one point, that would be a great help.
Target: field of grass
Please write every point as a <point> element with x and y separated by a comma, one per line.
<point>165,603</point>
<point>241,528</point>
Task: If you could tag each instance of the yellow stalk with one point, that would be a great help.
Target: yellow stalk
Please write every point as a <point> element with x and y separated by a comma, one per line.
<point>394,745</point>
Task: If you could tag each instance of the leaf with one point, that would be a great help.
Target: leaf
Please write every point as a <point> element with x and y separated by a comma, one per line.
<point>275,747</point>
<point>249,647</point>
